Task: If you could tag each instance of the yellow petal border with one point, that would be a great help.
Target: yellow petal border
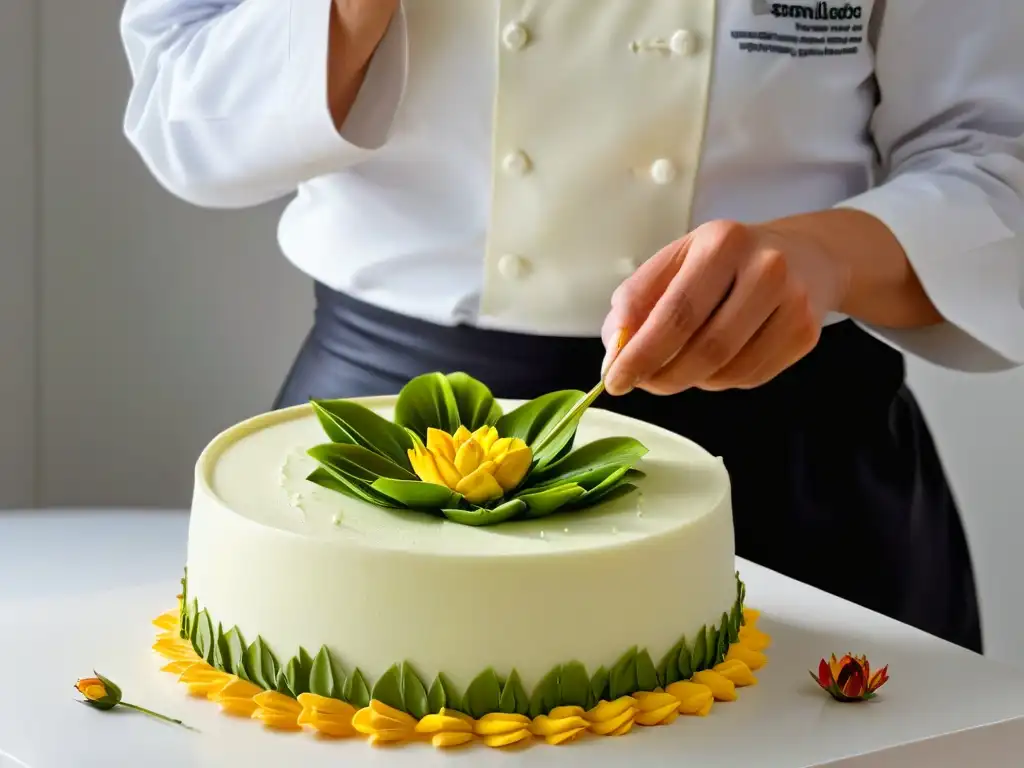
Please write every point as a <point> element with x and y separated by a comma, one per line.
<point>379,724</point>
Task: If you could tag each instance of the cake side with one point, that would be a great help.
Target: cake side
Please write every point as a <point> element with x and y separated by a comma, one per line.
<point>387,587</point>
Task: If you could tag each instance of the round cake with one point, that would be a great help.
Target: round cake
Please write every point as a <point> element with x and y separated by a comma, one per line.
<point>444,566</point>
<point>303,566</point>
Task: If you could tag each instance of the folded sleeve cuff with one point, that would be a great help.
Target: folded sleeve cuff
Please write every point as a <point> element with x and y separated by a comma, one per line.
<point>371,120</point>
<point>968,263</point>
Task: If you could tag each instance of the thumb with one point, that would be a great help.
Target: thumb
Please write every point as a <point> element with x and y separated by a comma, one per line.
<point>636,297</point>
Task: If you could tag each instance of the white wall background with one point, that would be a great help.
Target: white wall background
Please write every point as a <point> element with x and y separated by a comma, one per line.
<point>158,324</point>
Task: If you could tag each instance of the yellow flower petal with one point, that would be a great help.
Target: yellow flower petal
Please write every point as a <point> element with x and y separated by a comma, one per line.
<point>277,710</point>
<point>512,467</point>
<point>177,667</point>
<point>277,702</point>
<point>736,671</point>
<point>325,705</point>
<point>721,687</point>
<point>659,708</point>
<point>448,739</point>
<point>499,723</point>
<point>443,722</point>
<point>469,456</point>
<point>612,718</point>
<point>487,437</point>
<point>694,698</point>
<point>238,689</point>
<point>440,443</point>
<point>239,707</point>
<point>507,739</point>
<point>753,659</point>
<point>754,639</point>
<point>606,710</point>
<point>480,486</point>
<point>460,436</point>
<point>750,617</point>
<point>426,468</point>
<point>565,736</point>
<point>545,726</point>
<point>168,621</point>
<point>94,692</point>
<point>448,472</point>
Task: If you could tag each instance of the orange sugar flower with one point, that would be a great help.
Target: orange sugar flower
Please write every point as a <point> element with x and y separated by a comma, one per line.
<point>850,678</point>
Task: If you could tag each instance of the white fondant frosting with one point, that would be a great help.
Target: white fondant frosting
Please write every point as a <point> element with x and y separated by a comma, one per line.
<point>380,586</point>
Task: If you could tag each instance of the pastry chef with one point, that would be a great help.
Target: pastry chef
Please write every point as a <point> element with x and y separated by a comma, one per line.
<point>776,201</point>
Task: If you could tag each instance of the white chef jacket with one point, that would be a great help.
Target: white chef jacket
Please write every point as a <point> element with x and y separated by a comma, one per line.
<point>509,162</point>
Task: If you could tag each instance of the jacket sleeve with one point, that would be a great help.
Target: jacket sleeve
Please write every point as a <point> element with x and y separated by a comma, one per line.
<point>228,105</point>
<point>949,128</point>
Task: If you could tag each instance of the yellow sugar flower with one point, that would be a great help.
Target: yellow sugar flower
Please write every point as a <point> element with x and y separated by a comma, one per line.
<point>330,717</point>
<point>480,465</point>
<point>277,711</point>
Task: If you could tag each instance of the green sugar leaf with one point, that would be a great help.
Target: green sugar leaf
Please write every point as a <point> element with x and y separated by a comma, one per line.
<point>205,639</point>
<point>589,461</point>
<point>514,700</point>
<point>322,681</point>
<point>297,672</point>
<point>622,676</point>
<point>414,695</point>
<point>700,651</point>
<point>734,623</point>
<point>236,653</point>
<point>711,648</point>
<point>221,657</point>
<point>356,691</point>
<point>427,401</point>
<point>339,484</point>
<point>261,664</point>
<point>346,421</point>
<point>442,694</point>
<point>473,401</point>
<point>548,693</point>
<point>358,463</point>
<point>550,500</point>
<point>574,685</point>
<point>281,684</point>
<point>479,516</point>
<point>416,494</point>
<point>646,674</point>
<point>722,646</point>
<point>483,695</point>
<point>532,420</point>
<point>599,686</point>
<point>668,667</point>
<point>388,688</point>
<point>684,663</point>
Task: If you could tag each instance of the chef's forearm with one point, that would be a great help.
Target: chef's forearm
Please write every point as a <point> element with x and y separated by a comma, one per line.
<point>357,27</point>
<point>881,286</point>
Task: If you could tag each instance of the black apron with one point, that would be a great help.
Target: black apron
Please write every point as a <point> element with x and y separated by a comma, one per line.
<point>836,481</point>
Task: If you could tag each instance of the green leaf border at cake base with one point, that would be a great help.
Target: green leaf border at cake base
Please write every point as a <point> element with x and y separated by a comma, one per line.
<point>402,687</point>
<point>409,463</point>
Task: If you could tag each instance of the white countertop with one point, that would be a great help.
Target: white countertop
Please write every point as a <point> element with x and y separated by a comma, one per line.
<point>79,588</point>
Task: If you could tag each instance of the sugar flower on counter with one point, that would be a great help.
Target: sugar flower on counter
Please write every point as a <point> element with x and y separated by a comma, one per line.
<point>103,694</point>
<point>850,678</point>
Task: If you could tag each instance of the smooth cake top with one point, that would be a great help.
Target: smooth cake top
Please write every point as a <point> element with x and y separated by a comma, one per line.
<point>258,469</point>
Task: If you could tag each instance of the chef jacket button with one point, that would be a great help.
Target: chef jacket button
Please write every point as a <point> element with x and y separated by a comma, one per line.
<point>663,171</point>
<point>517,164</point>
<point>512,266</point>
<point>683,42</point>
<point>515,36</point>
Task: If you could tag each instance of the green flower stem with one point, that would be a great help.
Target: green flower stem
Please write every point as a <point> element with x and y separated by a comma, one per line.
<point>157,715</point>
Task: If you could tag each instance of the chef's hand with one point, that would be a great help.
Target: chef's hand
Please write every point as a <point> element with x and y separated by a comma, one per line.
<point>357,27</point>
<point>727,306</point>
